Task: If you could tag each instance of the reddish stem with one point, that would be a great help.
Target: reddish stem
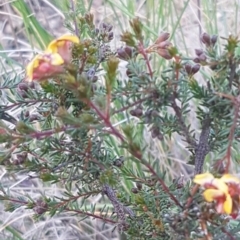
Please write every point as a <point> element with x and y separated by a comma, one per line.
<point>106,121</point>
<point>231,134</point>
<point>135,154</point>
<point>91,215</point>
<point>142,51</point>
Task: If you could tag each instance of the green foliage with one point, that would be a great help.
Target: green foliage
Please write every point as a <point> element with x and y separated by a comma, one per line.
<point>67,132</point>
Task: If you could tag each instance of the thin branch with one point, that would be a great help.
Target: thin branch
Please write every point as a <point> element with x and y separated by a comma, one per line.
<point>145,56</point>
<point>47,133</point>
<point>202,148</point>
<point>232,131</point>
<point>164,187</point>
<point>8,107</point>
<point>106,121</point>
<point>119,208</point>
<point>131,105</point>
<point>138,155</point>
<point>90,215</point>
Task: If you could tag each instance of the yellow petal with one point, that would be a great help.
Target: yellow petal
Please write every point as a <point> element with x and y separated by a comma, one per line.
<point>227,206</point>
<point>204,178</point>
<point>56,59</point>
<point>53,46</point>
<point>219,184</point>
<point>228,178</point>
<point>211,194</point>
<point>68,37</point>
<point>31,66</point>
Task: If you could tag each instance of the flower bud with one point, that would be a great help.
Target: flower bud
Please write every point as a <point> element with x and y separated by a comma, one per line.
<point>110,36</point>
<point>40,207</point>
<point>214,39</point>
<point>23,86</point>
<point>96,31</point>
<point>154,132</point>
<point>104,26</point>
<point>164,44</point>
<point>139,112</point>
<point>129,73</point>
<point>164,53</point>
<point>139,185</point>
<point>33,117</point>
<point>196,60</point>
<point>21,158</point>
<point>188,68</point>
<point>95,79</point>
<point>133,112</point>
<point>32,85</point>
<point>119,162</point>
<point>206,39</point>
<point>110,27</point>
<point>199,52</point>
<point>162,37</point>
<point>154,113</point>
<point>23,94</point>
<point>195,68</point>
<point>129,51</point>
<point>26,114</point>
<point>134,190</point>
<point>125,53</point>
<point>202,57</point>
<point>136,112</point>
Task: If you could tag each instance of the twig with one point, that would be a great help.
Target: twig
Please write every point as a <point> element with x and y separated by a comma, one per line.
<point>47,133</point>
<point>119,208</point>
<point>190,199</point>
<point>232,130</point>
<point>164,187</point>
<point>236,102</point>
<point>131,105</point>
<point>8,107</point>
<point>106,121</point>
<point>228,234</point>
<point>136,154</point>
<point>202,148</point>
<point>145,56</point>
<point>90,215</point>
<point>204,229</point>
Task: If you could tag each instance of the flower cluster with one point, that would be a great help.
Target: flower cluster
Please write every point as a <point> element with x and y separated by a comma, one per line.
<point>161,46</point>
<point>52,61</point>
<point>224,191</point>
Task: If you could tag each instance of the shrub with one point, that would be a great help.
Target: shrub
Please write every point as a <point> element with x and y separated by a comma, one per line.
<point>82,125</point>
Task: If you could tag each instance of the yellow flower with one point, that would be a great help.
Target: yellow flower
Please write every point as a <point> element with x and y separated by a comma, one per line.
<point>228,178</point>
<point>224,191</point>
<point>44,65</point>
<point>52,61</point>
<point>62,46</point>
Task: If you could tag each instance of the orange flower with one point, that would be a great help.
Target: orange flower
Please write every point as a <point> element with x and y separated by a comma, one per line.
<point>51,61</point>
<point>44,65</point>
<point>224,191</point>
<point>62,46</point>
